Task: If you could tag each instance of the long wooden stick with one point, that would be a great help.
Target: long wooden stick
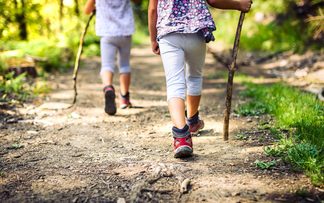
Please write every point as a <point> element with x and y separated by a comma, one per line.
<point>78,56</point>
<point>231,70</point>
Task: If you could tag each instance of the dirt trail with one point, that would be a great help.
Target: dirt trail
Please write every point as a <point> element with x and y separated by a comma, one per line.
<point>84,155</point>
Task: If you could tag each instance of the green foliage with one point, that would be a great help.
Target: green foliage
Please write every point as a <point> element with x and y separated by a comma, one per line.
<point>13,87</point>
<point>18,88</point>
<point>40,87</point>
<point>303,115</point>
<point>254,108</point>
<point>307,157</point>
<point>273,151</point>
<point>269,26</point>
<point>241,137</point>
<point>55,56</point>
<point>141,17</point>
<point>265,165</point>
<point>16,146</point>
<point>2,174</point>
<point>3,66</point>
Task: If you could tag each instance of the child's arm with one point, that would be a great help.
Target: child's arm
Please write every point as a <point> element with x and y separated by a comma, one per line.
<point>241,5</point>
<point>152,18</point>
<point>89,7</point>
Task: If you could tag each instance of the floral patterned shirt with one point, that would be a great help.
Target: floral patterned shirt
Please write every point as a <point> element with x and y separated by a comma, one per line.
<point>184,16</point>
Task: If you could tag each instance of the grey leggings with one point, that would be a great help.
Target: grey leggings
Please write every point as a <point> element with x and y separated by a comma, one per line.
<point>109,47</point>
<point>183,56</point>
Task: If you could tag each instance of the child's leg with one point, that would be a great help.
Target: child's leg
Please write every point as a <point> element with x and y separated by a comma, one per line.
<point>195,59</point>
<point>174,67</point>
<point>192,105</point>
<point>108,54</point>
<point>172,55</point>
<point>124,47</point>
<point>177,112</point>
<point>107,78</point>
<point>125,80</point>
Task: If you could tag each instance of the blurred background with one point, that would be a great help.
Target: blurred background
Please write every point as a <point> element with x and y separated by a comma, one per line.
<point>45,34</point>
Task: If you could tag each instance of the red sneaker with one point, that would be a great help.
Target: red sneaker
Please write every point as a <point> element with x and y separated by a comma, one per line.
<point>194,128</point>
<point>183,147</point>
<point>125,101</point>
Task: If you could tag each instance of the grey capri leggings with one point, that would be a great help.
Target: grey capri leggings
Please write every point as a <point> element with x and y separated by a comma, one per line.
<point>183,56</point>
<point>109,47</point>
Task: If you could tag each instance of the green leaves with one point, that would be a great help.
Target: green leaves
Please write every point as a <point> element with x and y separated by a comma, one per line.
<point>265,165</point>
<point>11,86</point>
<point>301,115</point>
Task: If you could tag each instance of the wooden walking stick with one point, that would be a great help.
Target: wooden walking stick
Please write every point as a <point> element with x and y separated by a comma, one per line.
<point>231,70</point>
<point>78,56</point>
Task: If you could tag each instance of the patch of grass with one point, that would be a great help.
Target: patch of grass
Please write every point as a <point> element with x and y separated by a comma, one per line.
<point>19,88</point>
<point>265,165</point>
<point>273,151</point>
<point>2,174</point>
<point>14,87</point>
<point>40,87</point>
<point>251,109</point>
<point>297,113</point>
<point>302,192</point>
<point>3,66</point>
<point>15,146</point>
<point>241,137</point>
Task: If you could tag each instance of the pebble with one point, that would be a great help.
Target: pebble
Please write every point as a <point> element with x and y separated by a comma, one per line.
<point>32,132</point>
<point>75,115</point>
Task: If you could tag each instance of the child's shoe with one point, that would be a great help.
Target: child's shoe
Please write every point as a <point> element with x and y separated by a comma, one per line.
<point>195,124</point>
<point>110,103</point>
<point>182,142</point>
<point>125,101</point>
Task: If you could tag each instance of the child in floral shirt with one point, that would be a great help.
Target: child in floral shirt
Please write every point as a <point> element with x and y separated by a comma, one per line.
<point>179,31</point>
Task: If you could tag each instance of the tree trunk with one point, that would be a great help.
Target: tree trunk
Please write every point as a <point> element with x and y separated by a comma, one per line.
<point>21,19</point>
<point>61,14</point>
<point>76,8</point>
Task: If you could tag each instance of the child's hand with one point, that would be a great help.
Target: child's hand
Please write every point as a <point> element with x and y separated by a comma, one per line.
<point>155,47</point>
<point>245,5</point>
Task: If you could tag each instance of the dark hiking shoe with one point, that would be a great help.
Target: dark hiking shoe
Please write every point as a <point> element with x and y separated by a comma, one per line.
<point>110,103</point>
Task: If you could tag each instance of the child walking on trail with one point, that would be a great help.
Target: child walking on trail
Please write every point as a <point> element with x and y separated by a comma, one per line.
<point>179,31</point>
<point>114,26</point>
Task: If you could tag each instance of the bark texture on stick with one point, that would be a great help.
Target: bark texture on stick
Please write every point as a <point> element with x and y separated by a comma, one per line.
<point>78,56</point>
<point>231,70</point>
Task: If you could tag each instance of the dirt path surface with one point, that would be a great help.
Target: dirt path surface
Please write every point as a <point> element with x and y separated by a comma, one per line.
<point>84,155</point>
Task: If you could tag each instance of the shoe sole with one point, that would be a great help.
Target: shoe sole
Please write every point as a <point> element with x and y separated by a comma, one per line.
<point>197,131</point>
<point>110,103</point>
<point>183,152</point>
<point>124,106</point>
